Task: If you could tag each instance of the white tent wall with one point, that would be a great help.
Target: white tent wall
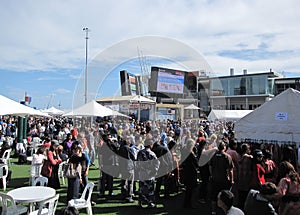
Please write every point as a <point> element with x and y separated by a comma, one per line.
<point>276,120</point>
<point>227,115</point>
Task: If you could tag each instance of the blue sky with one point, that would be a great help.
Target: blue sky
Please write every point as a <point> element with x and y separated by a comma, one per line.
<point>42,45</point>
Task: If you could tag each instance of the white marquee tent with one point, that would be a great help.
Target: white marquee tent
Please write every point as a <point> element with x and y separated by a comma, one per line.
<point>53,111</point>
<point>277,119</point>
<point>11,107</point>
<point>228,115</point>
<point>94,109</point>
<point>192,107</point>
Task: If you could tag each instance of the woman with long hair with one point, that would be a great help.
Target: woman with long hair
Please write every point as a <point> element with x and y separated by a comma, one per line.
<point>77,159</point>
<point>52,163</point>
<point>289,190</point>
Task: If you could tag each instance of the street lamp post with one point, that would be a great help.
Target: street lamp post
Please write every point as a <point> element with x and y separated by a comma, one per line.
<point>86,67</point>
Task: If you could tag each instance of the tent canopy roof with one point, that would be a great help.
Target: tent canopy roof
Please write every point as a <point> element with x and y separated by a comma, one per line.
<point>53,111</point>
<point>228,115</point>
<point>11,107</point>
<point>94,109</point>
<point>277,119</point>
<point>192,107</point>
<point>131,99</point>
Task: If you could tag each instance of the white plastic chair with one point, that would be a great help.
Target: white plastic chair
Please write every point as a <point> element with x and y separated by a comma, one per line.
<point>13,209</point>
<point>6,157</point>
<point>47,207</point>
<point>61,171</point>
<point>34,145</point>
<point>82,202</point>
<point>35,171</point>
<point>40,181</point>
<point>3,174</point>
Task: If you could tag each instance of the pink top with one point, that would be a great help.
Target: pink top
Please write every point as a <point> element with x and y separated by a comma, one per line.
<point>288,187</point>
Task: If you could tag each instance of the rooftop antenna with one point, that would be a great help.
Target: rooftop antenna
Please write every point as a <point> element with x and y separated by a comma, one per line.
<point>50,100</point>
<point>144,67</point>
<point>86,67</point>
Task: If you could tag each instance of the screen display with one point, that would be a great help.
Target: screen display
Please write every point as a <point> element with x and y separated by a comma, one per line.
<point>132,83</point>
<point>170,81</point>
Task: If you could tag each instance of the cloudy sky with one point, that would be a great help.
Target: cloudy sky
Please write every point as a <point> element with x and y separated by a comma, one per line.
<point>42,43</point>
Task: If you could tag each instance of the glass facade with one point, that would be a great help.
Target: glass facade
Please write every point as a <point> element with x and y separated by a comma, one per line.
<point>243,85</point>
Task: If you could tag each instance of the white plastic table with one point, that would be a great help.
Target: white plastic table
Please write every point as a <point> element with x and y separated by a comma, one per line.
<point>32,194</point>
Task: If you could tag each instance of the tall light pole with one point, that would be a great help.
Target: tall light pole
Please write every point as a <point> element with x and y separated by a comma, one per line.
<point>86,66</point>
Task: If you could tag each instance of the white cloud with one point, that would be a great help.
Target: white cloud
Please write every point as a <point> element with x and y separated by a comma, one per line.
<point>47,35</point>
<point>62,91</point>
<point>50,34</point>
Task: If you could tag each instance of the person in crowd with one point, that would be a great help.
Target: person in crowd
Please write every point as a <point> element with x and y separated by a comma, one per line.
<point>258,176</point>
<point>138,144</point>
<point>62,135</point>
<point>212,142</point>
<point>127,169</point>
<point>204,174</point>
<point>33,131</point>
<point>77,159</point>
<point>270,167</point>
<point>85,169</point>
<point>4,147</point>
<point>190,168</point>
<point>172,182</point>
<point>186,135</point>
<point>39,156</point>
<point>74,132</point>
<point>201,135</point>
<point>221,170</point>
<point>235,158</point>
<point>165,167</point>
<point>98,142</point>
<point>106,157</point>
<point>53,161</point>
<point>146,169</point>
<point>62,154</point>
<point>225,202</point>
<point>226,139</point>
<point>47,143</point>
<point>244,174</point>
<point>207,129</point>
<point>289,190</point>
<point>289,154</point>
<point>67,144</point>
<point>260,201</point>
<point>91,146</point>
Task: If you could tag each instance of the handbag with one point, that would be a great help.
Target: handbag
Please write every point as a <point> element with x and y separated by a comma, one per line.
<point>47,169</point>
<point>72,171</point>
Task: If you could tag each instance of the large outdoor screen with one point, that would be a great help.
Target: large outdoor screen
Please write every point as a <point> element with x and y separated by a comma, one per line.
<point>167,80</point>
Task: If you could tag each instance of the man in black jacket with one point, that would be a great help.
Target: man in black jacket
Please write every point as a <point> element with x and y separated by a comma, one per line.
<point>166,166</point>
<point>126,161</point>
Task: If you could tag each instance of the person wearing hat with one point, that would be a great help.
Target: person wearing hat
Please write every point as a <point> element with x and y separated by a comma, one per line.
<point>258,171</point>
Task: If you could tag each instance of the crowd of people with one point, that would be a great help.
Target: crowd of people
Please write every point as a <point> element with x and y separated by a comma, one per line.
<point>157,159</point>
